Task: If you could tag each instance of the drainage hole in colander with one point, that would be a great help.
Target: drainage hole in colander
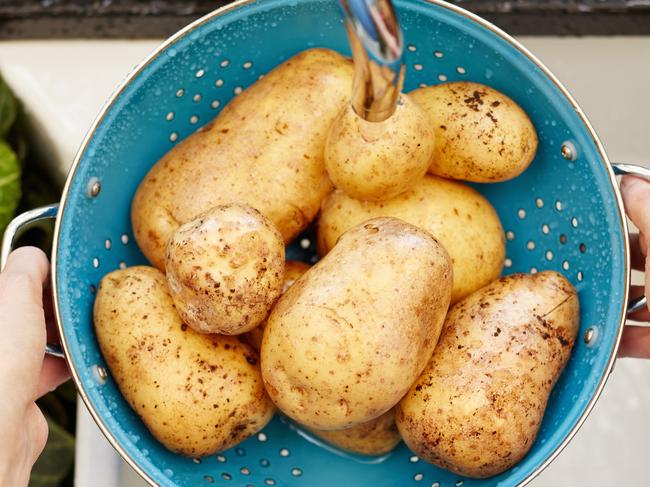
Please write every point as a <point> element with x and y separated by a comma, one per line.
<point>565,265</point>
<point>549,255</point>
<point>180,92</point>
<point>507,262</point>
<point>226,476</point>
<point>414,459</point>
<point>411,48</point>
<point>221,459</point>
<point>284,452</point>
<point>225,63</point>
<point>99,374</point>
<point>539,202</point>
<point>510,235</point>
<point>238,90</point>
<point>262,437</point>
<point>215,104</point>
<point>173,137</point>
<point>247,65</point>
<point>208,479</point>
<point>533,270</point>
<point>418,476</point>
<point>590,336</point>
<point>438,54</point>
<point>521,213</point>
<point>107,244</point>
<point>194,119</point>
<point>422,85</point>
<point>305,243</point>
<point>218,83</point>
<point>459,483</point>
<point>563,239</point>
<point>435,484</point>
<point>196,98</point>
<point>530,245</point>
<point>583,248</point>
<point>240,452</point>
<point>244,471</point>
<point>296,472</point>
<point>269,482</point>
<point>122,265</point>
<point>264,462</point>
<point>580,276</point>
<point>196,460</point>
<point>460,70</point>
<point>574,222</point>
<point>546,229</point>
<point>169,117</point>
<point>200,73</point>
<point>93,289</point>
<point>124,238</point>
<point>558,205</point>
<point>95,262</point>
<point>313,259</point>
<point>442,77</point>
<point>418,67</point>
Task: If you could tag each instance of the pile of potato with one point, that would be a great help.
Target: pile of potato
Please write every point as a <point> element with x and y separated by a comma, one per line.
<point>361,349</point>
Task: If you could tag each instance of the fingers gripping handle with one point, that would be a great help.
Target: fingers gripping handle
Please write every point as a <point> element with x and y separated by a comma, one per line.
<point>641,302</point>
<point>13,231</point>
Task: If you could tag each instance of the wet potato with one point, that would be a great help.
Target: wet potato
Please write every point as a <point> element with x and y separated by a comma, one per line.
<point>197,394</point>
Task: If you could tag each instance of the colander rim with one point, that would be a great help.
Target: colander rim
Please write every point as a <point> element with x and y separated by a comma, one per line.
<point>240,3</point>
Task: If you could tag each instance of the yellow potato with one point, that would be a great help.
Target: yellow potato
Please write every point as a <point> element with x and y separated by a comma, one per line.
<point>478,405</point>
<point>459,217</point>
<point>225,269</point>
<point>481,134</point>
<point>293,270</point>
<point>265,149</point>
<point>346,341</point>
<point>379,160</point>
<point>375,437</point>
<point>197,394</point>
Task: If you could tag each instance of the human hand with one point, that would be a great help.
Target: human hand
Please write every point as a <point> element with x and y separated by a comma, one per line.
<point>25,372</point>
<point>636,196</point>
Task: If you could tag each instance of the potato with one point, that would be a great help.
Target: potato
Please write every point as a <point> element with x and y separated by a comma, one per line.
<point>265,149</point>
<point>346,341</point>
<point>459,217</point>
<point>225,269</point>
<point>293,270</point>
<point>376,437</point>
<point>379,160</point>
<point>478,405</point>
<point>197,394</point>
<point>481,134</point>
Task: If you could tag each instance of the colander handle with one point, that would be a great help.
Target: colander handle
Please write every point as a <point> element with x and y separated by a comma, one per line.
<point>641,302</point>
<point>377,45</point>
<point>17,226</point>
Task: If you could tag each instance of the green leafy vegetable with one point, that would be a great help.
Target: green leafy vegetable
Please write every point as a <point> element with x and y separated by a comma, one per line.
<point>9,184</point>
<point>56,460</point>
<point>8,107</point>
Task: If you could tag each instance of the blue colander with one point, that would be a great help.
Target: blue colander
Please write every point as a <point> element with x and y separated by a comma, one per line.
<point>564,213</point>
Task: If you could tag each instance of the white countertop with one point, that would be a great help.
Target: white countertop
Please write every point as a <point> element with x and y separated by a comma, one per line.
<point>65,83</point>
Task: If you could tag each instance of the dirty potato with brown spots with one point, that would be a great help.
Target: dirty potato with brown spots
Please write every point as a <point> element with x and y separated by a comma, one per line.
<point>197,394</point>
<point>225,269</point>
<point>460,218</point>
<point>293,270</point>
<point>264,149</point>
<point>379,160</point>
<point>481,134</point>
<point>376,437</point>
<point>478,405</point>
<point>346,341</point>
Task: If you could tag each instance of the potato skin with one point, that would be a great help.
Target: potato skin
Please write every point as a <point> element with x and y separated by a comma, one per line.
<point>458,216</point>
<point>481,134</point>
<point>197,394</point>
<point>379,160</point>
<point>225,269</point>
<point>264,149</point>
<point>346,341</point>
<point>293,270</point>
<point>376,437</point>
<point>478,405</point>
